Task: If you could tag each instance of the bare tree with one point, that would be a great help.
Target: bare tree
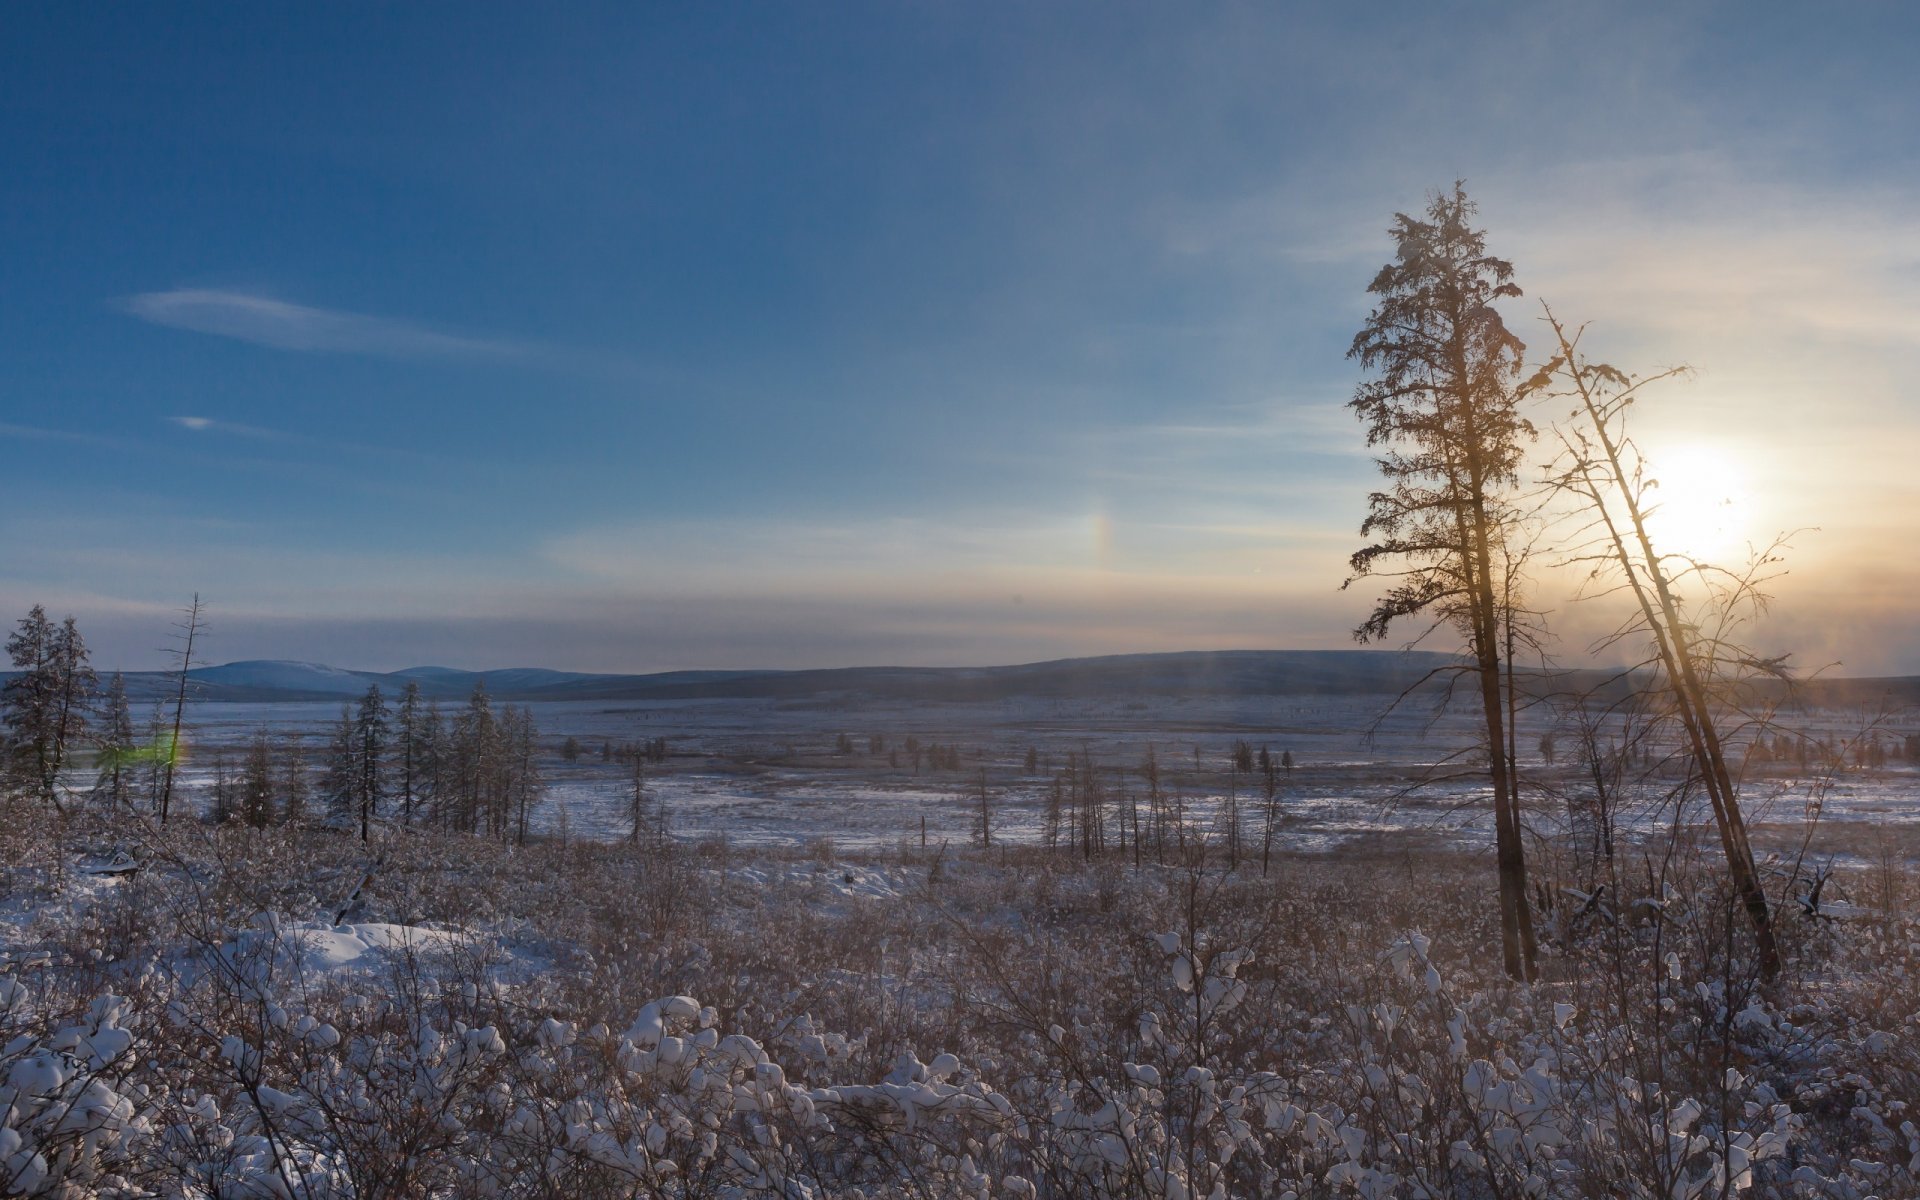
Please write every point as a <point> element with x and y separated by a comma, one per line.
<point>1442,406</point>
<point>637,799</point>
<point>1605,470</point>
<point>983,826</point>
<point>188,630</point>
<point>1271,781</point>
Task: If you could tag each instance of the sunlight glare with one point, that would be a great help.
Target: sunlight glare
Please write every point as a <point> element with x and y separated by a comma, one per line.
<point>1701,506</point>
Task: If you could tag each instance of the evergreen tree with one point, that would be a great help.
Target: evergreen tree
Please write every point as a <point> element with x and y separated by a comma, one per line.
<point>430,753</point>
<point>473,750</point>
<point>114,769</point>
<point>1243,756</point>
<point>154,761</point>
<point>410,721</point>
<point>370,736</point>
<point>1050,821</point>
<point>983,818</point>
<point>224,804</point>
<point>45,702</point>
<point>1271,779</point>
<point>1156,805</point>
<point>293,782</point>
<point>256,783</point>
<point>1229,818</point>
<point>662,821</point>
<point>637,801</point>
<point>524,787</point>
<point>28,700</point>
<point>1441,404</point>
<point>340,780</point>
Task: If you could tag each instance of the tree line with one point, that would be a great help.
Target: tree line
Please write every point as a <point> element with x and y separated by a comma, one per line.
<point>476,771</point>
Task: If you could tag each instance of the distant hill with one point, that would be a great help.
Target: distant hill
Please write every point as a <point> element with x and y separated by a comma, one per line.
<point>1220,672</point>
<point>1225,672</point>
<point>1190,673</point>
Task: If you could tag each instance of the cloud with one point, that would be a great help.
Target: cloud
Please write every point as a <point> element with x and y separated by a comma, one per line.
<point>1104,548</point>
<point>9,429</point>
<point>265,321</point>
<point>1719,247</point>
<point>232,428</point>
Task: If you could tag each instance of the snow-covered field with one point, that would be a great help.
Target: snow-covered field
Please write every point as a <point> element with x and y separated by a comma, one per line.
<point>819,985</point>
<point>764,773</point>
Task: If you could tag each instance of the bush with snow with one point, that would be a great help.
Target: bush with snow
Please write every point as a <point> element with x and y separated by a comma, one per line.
<point>527,1024</point>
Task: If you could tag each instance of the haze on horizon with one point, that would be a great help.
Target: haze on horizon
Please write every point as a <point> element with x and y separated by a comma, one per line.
<point>936,334</point>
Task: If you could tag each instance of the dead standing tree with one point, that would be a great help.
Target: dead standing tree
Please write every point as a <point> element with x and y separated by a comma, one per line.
<point>1604,470</point>
<point>1442,406</point>
<point>190,627</point>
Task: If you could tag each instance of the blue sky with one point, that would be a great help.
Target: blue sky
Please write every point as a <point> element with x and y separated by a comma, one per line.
<point>628,337</point>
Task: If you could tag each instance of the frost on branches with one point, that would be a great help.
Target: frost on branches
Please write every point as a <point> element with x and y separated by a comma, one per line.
<point>979,1034</point>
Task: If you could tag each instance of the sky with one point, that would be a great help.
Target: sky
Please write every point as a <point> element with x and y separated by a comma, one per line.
<point>638,337</point>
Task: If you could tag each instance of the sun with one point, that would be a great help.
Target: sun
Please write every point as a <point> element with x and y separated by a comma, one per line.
<point>1702,505</point>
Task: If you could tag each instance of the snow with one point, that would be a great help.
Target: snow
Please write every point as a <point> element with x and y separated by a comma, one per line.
<point>1145,1051</point>
<point>759,773</point>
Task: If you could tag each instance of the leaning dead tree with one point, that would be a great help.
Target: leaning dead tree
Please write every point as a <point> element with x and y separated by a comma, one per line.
<point>188,630</point>
<point>1441,406</point>
<point>1603,468</point>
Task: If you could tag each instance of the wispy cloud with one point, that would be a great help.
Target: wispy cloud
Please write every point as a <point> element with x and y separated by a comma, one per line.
<point>958,554</point>
<point>231,428</point>
<point>289,446</point>
<point>35,433</point>
<point>282,325</point>
<point>1720,248</point>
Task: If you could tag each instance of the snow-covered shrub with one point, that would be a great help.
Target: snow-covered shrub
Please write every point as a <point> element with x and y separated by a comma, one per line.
<point>501,1023</point>
<point>70,1123</point>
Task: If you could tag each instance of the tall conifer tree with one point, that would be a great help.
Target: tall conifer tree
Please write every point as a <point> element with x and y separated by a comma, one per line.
<point>1440,406</point>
